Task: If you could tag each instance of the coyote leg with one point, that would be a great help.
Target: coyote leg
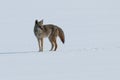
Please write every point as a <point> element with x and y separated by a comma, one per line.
<point>41,49</point>
<point>55,44</point>
<point>39,44</point>
<point>52,44</point>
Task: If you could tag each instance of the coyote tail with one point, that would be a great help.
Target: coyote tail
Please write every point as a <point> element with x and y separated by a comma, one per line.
<point>61,35</point>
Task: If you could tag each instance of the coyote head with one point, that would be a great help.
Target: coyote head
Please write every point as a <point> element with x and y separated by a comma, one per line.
<point>39,24</point>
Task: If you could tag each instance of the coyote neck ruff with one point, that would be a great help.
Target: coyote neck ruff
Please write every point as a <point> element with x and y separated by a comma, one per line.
<point>49,30</point>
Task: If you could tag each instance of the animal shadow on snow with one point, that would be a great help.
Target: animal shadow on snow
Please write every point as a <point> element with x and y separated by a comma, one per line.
<point>19,52</point>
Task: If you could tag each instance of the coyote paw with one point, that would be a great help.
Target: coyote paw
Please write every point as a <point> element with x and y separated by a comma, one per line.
<point>40,50</point>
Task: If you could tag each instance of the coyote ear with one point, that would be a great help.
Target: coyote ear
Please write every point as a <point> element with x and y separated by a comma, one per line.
<point>41,22</point>
<point>36,21</point>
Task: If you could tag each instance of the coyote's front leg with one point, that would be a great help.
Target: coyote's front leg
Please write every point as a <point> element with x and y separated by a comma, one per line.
<point>41,49</point>
<point>40,43</point>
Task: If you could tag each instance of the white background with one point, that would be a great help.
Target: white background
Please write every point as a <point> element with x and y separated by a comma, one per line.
<point>92,40</point>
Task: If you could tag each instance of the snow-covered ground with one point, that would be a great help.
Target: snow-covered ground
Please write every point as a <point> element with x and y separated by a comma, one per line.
<point>92,43</point>
<point>85,64</point>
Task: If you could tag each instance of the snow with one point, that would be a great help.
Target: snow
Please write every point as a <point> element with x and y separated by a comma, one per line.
<point>92,43</point>
<point>61,65</point>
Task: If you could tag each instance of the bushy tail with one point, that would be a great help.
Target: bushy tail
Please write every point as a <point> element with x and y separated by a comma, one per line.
<point>61,35</point>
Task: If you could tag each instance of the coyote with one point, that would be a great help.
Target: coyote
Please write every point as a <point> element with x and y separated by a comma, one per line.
<point>49,30</point>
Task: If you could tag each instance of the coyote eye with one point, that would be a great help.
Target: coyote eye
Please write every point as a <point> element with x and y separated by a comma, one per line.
<point>41,27</point>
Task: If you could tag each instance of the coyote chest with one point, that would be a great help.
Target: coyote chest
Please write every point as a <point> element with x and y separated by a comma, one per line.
<point>40,33</point>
